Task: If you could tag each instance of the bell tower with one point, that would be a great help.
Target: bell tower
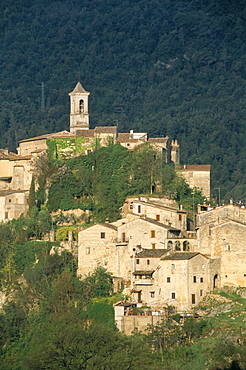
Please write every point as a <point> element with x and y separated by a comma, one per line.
<point>79,115</point>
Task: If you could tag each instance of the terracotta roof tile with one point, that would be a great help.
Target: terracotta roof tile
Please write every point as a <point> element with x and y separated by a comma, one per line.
<point>106,129</point>
<point>85,133</point>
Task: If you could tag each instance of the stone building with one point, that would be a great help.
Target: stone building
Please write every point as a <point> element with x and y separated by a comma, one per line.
<point>81,139</point>
<point>197,176</point>
<point>15,179</point>
<point>221,234</point>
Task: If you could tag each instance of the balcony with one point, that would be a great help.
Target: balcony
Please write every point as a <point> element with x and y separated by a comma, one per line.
<point>144,281</point>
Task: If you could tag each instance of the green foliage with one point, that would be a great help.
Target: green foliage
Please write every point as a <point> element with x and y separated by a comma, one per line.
<point>169,68</point>
<point>32,198</point>
<point>99,283</point>
<point>62,233</point>
<point>102,180</point>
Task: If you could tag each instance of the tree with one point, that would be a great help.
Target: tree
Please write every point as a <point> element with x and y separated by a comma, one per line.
<point>32,197</point>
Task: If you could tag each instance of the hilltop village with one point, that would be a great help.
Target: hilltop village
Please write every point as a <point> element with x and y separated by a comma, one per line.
<point>152,252</point>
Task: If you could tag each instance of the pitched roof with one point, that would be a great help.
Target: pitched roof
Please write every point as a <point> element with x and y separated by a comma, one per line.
<point>160,140</point>
<point>108,225</point>
<point>85,133</point>
<point>156,205</point>
<point>180,256</point>
<point>125,137</point>
<point>78,88</point>
<point>157,223</point>
<point>154,253</point>
<point>106,129</point>
<point>9,192</point>
<point>61,134</point>
<point>4,154</point>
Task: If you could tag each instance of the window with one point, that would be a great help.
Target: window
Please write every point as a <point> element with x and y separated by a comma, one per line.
<point>169,244</point>
<point>194,279</point>
<point>81,106</point>
<point>152,233</point>
<point>201,293</point>
<point>201,280</point>
<point>102,235</point>
<point>168,279</point>
<point>123,237</point>
<point>186,246</point>
<point>153,245</point>
<point>152,294</point>
<point>173,295</point>
<point>148,262</point>
<point>139,209</point>
<point>180,217</point>
<point>137,261</point>
<point>228,247</point>
<point>172,266</point>
<point>177,245</point>
<point>193,298</point>
<point>9,200</point>
<point>6,215</point>
<point>131,206</point>
<point>157,217</point>
<point>88,250</point>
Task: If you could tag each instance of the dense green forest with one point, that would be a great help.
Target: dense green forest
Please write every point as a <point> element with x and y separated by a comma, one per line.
<point>172,68</point>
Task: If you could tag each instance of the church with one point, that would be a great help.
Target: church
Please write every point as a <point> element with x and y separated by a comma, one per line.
<point>15,169</point>
<point>81,139</point>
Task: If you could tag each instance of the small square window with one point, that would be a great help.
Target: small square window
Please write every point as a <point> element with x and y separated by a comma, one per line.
<point>194,279</point>
<point>152,233</point>
<point>148,262</point>
<point>173,295</point>
<point>102,235</point>
<point>137,261</point>
<point>157,217</point>
<point>152,294</point>
<point>201,280</point>
<point>168,279</point>
<point>153,245</point>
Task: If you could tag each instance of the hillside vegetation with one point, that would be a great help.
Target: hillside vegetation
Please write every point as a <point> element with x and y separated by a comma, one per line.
<point>51,319</point>
<point>172,68</point>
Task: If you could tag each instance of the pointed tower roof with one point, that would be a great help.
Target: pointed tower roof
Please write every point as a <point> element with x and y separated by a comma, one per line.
<point>79,89</point>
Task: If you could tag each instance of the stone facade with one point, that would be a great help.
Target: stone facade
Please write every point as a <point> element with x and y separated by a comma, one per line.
<point>88,138</point>
<point>15,180</point>
<point>163,265</point>
<point>197,176</point>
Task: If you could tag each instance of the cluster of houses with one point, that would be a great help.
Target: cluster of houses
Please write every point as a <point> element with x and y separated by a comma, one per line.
<point>152,252</point>
<point>16,169</point>
<point>158,261</point>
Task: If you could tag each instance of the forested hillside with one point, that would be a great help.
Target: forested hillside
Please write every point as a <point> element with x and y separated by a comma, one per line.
<point>168,67</point>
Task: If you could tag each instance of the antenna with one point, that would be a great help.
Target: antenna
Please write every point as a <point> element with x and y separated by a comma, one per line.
<point>42,97</point>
